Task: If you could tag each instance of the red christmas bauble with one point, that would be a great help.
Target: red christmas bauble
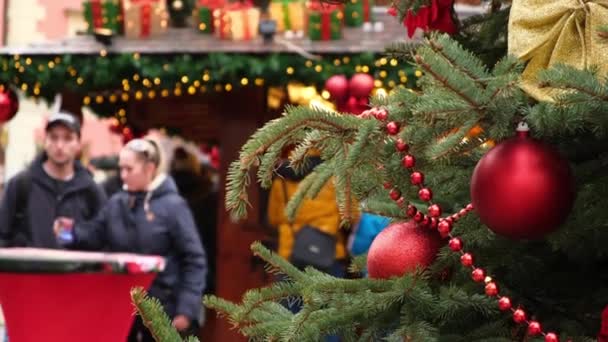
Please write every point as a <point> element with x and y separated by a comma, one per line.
<point>9,104</point>
<point>337,86</point>
<point>361,85</point>
<point>522,188</point>
<point>401,248</point>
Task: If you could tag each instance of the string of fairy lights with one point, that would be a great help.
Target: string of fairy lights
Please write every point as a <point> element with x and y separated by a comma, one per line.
<point>107,81</point>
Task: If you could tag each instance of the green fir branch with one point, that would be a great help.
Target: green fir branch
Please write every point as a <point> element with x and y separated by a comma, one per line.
<point>154,317</point>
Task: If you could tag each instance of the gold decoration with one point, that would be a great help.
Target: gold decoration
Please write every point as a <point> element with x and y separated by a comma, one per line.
<point>544,33</point>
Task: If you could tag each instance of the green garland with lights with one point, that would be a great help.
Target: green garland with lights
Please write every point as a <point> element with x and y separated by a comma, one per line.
<point>107,79</point>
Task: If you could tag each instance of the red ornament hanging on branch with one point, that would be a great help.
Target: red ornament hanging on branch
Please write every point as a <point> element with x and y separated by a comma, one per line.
<point>400,248</point>
<point>9,104</point>
<point>522,188</point>
<point>350,96</point>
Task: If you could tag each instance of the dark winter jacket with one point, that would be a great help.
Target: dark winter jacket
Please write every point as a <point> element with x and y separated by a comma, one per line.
<point>46,199</point>
<point>167,229</point>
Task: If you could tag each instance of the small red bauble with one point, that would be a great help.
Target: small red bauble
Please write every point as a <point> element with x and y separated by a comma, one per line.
<point>426,222</point>
<point>425,194</point>
<point>411,210</point>
<point>444,228</point>
<point>455,244</point>
<point>392,128</point>
<point>469,207</point>
<point>401,146</point>
<point>551,337</point>
<point>462,212</point>
<point>381,114</point>
<point>361,85</point>
<point>522,188</point>
<point>400,202</point>
<point>455,217</point>
<point>534,328</point>
<point>417,178</point>
<point>478,275</point>
<point>395,194</point>
<point>400,248</point>
<point>466,260</point>
<point>434,210</point>
<point>9,104</point>
<point>434,223</point>
<point>418,217</point>
<point>337,86</point>
<point>387,185</point>
<point>519,316</point>
<point>491,289</point>
<point>504,303</point>
<point>392,11</point>
<point>408,161</point>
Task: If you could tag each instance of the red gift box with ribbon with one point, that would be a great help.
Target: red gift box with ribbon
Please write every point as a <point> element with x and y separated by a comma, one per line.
<point>144,18</point>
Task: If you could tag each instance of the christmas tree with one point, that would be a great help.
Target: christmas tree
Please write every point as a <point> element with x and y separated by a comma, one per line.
<point>493,173</point>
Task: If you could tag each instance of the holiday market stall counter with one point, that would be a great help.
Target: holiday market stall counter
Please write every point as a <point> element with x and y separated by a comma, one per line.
<point>71,296</point>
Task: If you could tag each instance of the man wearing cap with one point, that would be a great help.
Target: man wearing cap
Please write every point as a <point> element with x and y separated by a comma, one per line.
<point>55,185</point>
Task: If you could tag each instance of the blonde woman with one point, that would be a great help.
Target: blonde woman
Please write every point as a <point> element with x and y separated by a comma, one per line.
<point>150,217</point>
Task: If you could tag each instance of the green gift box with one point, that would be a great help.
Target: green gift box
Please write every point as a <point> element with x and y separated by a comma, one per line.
<point>325,22</point>
<point>103,14</point>
<point>357,12</point>
<point>205,14</point>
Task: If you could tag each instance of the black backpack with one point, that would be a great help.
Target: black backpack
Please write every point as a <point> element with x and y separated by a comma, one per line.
<point>20,227</point>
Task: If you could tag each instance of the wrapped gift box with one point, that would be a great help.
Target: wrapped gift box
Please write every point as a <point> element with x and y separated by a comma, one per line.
<point>204,14</point>
<point>357,12</point>
<point>237,21</point>
<point>290,15</point>
<point>103,14</point>
<point>144,18</point>
<point>324,21</point>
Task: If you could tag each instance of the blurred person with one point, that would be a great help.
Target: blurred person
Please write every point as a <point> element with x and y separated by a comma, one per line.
<point>149,217</point>
<point>55,184</point>
<point>194,183</point>
<point>319,214</point>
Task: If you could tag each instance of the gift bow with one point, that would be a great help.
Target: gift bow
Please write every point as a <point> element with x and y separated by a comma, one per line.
<point>545,33</point>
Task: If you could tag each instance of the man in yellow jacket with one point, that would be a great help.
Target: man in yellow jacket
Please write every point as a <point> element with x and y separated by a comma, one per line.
<point>321,212</point>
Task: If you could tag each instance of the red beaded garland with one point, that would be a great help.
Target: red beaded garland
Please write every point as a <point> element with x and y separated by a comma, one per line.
<point>392,128</point>
<point>478,275</point>
<point>491,289</point>
<point>466,260</point>
<point>401,146</point>
<point>455,244</point>
<point>425,194</point>
<point>551,337</point>
<point>519,316</point>
<point>504,303</point>
<point>380,114</point>
<point>408,161</point>
<point>434,210</point>
<point>417,178</point>
<point>444,228</point>
<point>534,328</point>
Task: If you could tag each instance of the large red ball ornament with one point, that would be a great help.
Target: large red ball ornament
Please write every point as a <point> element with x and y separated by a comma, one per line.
<point>361,85</point>
<point>522,188</point>
<point>400,248</point>
<point>9,104</point>
<point>337,86</point>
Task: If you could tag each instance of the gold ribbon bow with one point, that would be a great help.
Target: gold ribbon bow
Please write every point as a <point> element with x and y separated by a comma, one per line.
<point>544,33</point>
